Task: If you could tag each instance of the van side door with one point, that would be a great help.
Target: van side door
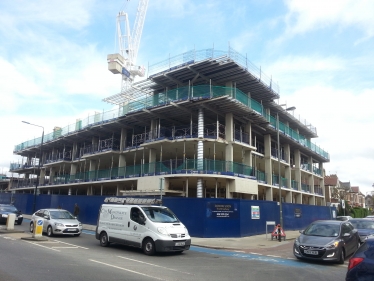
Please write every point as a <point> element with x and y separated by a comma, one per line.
<point>136,226</point>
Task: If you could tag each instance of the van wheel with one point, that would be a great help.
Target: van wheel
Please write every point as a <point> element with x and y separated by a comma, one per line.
<point>31,227</point>
<point>149,247</point>
<point>49,231</point>
<point>104,239</point>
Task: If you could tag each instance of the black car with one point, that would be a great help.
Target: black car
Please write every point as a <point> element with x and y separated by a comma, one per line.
<point>361,264</point>
<point>327,240</point>
<point>365,227</point>
<point>6,209</point>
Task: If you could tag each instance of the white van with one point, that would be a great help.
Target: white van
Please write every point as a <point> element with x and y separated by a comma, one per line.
<point>140,223</point>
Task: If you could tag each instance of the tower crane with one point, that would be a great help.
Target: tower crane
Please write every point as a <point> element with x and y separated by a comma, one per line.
<point>124,62</point>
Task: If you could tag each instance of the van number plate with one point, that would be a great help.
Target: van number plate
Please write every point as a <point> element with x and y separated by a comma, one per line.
<point>180,244</point>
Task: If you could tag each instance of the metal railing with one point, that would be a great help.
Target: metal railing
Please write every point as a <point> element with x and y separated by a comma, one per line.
<point>162,98</point>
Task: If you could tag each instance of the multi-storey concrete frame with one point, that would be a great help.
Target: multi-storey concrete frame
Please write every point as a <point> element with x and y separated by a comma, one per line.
<point>206,127</point>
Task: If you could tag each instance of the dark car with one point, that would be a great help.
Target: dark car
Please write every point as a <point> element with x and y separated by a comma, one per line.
<point>327,240</point>
<point>361,264</point>
<point>364,227</point>
<point>6,209</point>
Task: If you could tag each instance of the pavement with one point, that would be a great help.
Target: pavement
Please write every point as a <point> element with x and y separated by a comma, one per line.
<point>246,244</point>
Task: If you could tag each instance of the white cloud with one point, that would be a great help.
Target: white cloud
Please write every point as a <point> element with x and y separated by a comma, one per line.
<point>304,16</point>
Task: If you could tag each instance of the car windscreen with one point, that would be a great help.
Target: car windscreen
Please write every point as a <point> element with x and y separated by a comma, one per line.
<point>325,230</point>
<point>8,209</point>
<point>163,215</point>
<point>61,215</point>
<point>361,224</point>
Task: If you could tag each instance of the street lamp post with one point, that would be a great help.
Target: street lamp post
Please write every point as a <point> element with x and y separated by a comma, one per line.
<point>39,165</point>
<point>279,169</point>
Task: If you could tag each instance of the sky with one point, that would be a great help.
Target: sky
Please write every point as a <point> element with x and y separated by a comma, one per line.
<point>53,67</point>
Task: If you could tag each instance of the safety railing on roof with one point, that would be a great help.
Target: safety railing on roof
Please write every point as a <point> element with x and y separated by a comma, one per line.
<point>194,56</point>
<point>164,98</point>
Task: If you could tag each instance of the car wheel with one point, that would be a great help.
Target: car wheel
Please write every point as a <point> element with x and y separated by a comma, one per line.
<point>49,231</point>
<point>149,247</point>
<point>31,227</point>
<point>342,257</point>
<point>104,239</point>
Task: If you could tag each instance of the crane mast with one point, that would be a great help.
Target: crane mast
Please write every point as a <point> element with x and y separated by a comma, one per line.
<point>124,62</point>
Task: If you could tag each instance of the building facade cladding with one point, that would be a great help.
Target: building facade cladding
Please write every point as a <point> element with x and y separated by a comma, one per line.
<point>202,140</point>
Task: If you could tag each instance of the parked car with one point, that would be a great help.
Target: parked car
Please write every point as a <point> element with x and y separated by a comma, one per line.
<point>364,227</point>
<point>57,221</point>
<point>343,218</point>
<point>361,264</point>
<point>327,240</point>
<point>370,217</point>
<point>6,209</point>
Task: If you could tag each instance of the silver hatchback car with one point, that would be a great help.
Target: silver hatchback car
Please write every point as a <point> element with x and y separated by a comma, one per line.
<point>57,221</point>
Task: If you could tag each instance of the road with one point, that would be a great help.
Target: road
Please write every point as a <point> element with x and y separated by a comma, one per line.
<point>82,258</point>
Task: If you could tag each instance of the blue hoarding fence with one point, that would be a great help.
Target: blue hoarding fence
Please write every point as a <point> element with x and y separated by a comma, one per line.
<point>203,217</point>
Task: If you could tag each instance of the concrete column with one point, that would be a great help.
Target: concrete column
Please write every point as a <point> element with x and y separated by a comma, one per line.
<point>248,130</point>
<point>288,198</point>
<point>92,168</point>
<point>297,167</point>
<point>267,159</point>
<point>311,183</point>
<point>123,139</point>
<point>312,200</point>
<point>248,158</point>
<point>298,198</point>
<point>229,88</point>
<point>69,191</point>
<point>228,193</point>
<point>200,152</point>
<point>52,171</point>
<point>122,161</point>
<point>269,194</point>
<point>42,177</point>
<point>101,189</point>
<point>95,143</point>
<point>88,190</point>
<point>74,152</point>
<point>186,187</point>
<point>117,190</point>
<point>73,168</point>
<point>229,132</point>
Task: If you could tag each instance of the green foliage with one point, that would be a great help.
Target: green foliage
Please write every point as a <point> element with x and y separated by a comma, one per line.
<point>358,212</point>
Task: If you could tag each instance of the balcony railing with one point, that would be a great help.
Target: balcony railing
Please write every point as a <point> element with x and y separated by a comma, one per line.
<point>164,98</point>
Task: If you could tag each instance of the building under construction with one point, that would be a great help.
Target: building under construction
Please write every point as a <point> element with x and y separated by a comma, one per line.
<point>202,124</point>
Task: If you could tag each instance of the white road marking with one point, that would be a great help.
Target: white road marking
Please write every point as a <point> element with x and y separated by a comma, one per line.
<point>9,238</point>
<point>155,265</point>
<point>273,256</point>
<point>37,244</point>
<point>255,254</point>
<point>71,244</point>
<point>64,247</point>
<point>239,251</point>
<point>121,268</point>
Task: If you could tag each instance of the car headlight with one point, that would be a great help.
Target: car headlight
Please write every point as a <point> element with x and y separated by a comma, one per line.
<point>297,243</point>
<point>80,224</point>
<point>59,224</point>
<point>186,232</point>
<point>162,230</point>
<point>4,215</point>
<point>332,245</point>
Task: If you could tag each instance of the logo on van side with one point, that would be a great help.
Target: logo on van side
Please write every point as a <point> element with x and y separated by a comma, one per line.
<point>112,214</point>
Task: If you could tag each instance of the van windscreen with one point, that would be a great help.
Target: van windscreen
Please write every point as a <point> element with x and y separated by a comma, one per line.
<point>163,215</point>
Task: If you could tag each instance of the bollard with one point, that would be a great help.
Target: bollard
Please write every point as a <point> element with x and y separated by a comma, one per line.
<point>10,221</point>
<point>38,228</point>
